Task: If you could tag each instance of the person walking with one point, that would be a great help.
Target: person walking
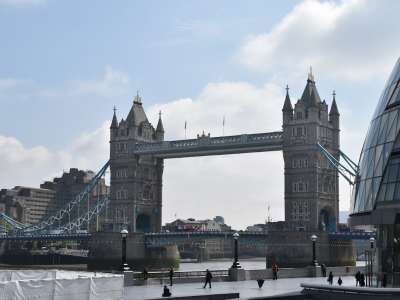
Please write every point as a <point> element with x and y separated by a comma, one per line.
<point>145,274</point>
<point>171,275</point>
<point>340,281</point>
<point>358,278</point>
<point>330,278</point>
<point>362,279</point>
<point>323,270</point>
<point>275,270</point>
<point>208,279</point>
<point>384,280</point>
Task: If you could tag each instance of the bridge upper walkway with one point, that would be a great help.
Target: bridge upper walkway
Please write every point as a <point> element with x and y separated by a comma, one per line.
<point>206,145</point>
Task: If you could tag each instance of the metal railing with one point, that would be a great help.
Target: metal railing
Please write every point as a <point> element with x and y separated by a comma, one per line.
<point>180,274</point>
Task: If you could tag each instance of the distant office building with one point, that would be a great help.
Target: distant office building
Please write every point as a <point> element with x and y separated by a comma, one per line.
<point>257,228</point>
<point>27,205</point>
<point>71,183</point>
<point>31,205</point>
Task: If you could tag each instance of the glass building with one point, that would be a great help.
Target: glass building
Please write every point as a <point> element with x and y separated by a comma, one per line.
<point>376,194</point>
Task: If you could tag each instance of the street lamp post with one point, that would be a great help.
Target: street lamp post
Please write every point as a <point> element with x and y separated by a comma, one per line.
<point>314,256</point>
<point>236,264</point>
<point>124,264</point>
<point>371,259</point>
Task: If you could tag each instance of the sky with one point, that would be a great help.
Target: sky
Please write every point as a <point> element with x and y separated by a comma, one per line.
<point>65,64</point>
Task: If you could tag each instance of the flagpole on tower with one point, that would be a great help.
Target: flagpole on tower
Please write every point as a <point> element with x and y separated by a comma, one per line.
<point>223,126</point>
<point>185,129</point>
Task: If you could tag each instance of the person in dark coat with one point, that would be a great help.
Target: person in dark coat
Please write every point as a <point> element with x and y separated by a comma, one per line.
<point>362,279</point>
<point>166,292</point>
<point>358,278</point>
<point>340,281</point>
<point>208,279</point>
<point>384,280</point>
<point>330,278</point>
<point>145,274</point>
<point>171,275</point>
<point>323,270</point>
<point>275,270</point>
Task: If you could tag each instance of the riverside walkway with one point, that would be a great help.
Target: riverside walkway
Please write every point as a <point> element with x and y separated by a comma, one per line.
<point>247,289</point>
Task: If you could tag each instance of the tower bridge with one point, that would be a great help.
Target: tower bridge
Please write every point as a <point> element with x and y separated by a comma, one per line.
<point>138,150</point>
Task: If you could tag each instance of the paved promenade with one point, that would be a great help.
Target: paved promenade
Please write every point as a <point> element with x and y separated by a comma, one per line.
<point>247,289</point>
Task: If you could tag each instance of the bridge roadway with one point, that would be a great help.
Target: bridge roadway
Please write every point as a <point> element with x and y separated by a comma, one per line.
<point>165,236</point>
<point>206,145</point>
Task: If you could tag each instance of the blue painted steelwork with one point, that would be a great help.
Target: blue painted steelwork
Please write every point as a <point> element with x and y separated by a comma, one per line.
<point>47,237</point>
<point>59,215</point>
<point>347,174</point>
<point>206,145</point>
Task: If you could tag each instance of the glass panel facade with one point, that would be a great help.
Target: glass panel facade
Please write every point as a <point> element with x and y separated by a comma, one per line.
<point>379,177</point>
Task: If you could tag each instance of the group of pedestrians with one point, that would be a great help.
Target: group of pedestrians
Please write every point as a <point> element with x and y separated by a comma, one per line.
<point>360,279</point>
<point>167,292</point>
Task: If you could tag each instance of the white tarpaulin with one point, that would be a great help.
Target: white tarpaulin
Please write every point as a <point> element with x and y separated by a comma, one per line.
<point>38,284</point>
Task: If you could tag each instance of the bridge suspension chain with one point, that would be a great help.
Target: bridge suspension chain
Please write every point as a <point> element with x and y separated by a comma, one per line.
<point>349,173</point>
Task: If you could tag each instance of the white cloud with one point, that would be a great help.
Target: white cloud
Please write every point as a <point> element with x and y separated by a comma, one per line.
<point>31,166</point>
<point>112,83</point>
<point>7,84</point>
<point>354,39</point>
<point>22,3</point>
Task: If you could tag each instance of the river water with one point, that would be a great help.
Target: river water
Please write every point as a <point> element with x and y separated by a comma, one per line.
<point>224,264</point>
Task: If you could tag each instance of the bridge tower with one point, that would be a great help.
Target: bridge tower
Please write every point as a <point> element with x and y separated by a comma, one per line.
<point>311,184</point>
<point>136,180</point>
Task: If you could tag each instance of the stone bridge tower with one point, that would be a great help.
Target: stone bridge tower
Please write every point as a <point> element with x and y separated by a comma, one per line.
<point>311,184</point>
<point>136,181</point>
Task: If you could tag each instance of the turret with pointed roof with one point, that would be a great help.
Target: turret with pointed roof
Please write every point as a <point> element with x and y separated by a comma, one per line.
<point>334,110</point>
<point>136,115</point>
<point>287,106</point>
<point>160,129</point>
<point>334,113</point>
<point>310,96</point>
<point>114,122</point>
<point>287,109</point>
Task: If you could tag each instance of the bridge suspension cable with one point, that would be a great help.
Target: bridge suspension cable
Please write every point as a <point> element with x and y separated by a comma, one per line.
<point>349,172</point>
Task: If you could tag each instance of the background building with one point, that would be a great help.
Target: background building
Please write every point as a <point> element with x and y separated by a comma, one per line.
<point>31,205</point>
<point>197,225</point>
<point>27,205</point>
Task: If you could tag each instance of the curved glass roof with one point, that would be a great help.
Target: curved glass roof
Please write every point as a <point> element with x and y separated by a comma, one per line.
<point>379,175</point>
